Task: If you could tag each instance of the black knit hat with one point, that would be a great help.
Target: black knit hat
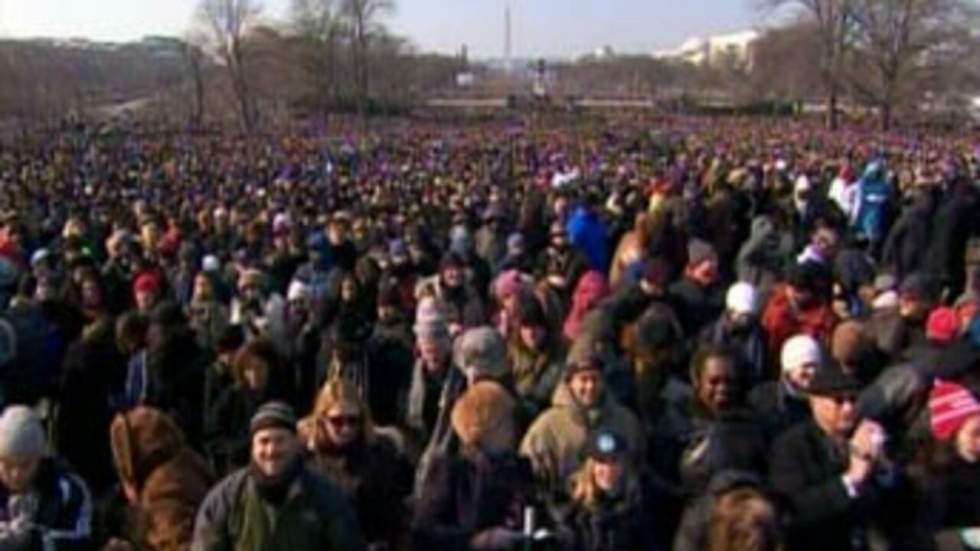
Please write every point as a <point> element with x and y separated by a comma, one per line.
<point>273,415</point>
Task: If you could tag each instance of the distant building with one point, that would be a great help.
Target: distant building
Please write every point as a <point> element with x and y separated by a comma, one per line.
<point>712,49</point>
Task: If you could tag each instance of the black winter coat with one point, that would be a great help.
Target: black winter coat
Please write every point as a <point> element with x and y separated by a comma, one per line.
<point>376,479</point>
<point>469,493</point>
<point>697,306</point>
<point>777,408</point>
<point>390,361</point>
<point>623,524</point>
<point>806,470</point>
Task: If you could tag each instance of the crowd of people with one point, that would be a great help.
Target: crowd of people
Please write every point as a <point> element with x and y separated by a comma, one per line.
<point>636,333</point>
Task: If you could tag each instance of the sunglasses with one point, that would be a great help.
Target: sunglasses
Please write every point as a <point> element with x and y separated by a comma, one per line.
<point>340,421</point>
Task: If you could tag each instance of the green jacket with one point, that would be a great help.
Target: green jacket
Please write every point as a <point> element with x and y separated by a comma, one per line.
<point>314,517</point>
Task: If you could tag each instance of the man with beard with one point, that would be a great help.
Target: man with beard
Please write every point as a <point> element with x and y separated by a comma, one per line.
<point>275,502</point>
<point>449,286</point>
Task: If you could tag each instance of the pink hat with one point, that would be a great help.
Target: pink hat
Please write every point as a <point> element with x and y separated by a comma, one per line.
<point>943,325</point>
<point>950,406</point>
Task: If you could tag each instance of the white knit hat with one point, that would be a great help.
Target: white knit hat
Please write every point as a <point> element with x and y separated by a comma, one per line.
<point>742,298</point>
<point>799,351</point>
<point>211,263</point>
<point>21,434</point>
<point>298,291</point>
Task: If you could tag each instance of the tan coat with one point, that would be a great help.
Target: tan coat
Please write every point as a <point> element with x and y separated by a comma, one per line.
<point>558,437</point>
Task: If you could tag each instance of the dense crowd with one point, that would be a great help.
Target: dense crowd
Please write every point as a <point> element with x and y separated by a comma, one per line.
<point>630,333</point>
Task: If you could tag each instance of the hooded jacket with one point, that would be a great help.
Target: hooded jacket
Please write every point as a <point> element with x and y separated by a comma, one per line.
<point>908,238</point>
<point>588,233</point>
<point>590,290</point>
<point>875,197</point>
<point>55,514</point>
<point>171,480</point>
<point>557,438</point>
<point>782,320</point>
<point>761,259</point>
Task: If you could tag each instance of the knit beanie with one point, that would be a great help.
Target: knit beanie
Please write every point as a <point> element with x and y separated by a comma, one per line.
<point>699,251</point>
<point>146,283</point>
<point>482,349</point>
<point>742,298</point>
<point>278,415</point>
<point>21,434</point>
<point>430,319</point>
<point>943,325</point>
<point>298,291</point>
<point>950,406</point>
<point>799,351</point>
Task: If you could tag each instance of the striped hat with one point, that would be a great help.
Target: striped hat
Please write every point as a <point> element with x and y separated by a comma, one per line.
<point>950,406</point>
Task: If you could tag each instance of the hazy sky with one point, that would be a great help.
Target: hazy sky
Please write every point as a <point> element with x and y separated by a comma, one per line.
<point>541,27</point>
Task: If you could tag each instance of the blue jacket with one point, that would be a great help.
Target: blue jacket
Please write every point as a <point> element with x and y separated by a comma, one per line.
<point>588,233</point>
<point>874,202</point>
<point>55,514</point>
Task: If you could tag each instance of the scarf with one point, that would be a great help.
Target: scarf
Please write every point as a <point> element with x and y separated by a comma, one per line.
<point>274,489</point>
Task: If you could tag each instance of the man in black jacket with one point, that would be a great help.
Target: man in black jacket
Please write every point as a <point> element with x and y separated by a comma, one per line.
<point>835,471</point>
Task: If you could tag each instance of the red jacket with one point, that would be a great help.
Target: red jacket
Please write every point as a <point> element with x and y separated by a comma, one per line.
<point>782,320</point>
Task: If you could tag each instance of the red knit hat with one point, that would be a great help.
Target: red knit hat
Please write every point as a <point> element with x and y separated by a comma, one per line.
<point>943,325</point>
<point>950,406</point>
<point>146,283</point>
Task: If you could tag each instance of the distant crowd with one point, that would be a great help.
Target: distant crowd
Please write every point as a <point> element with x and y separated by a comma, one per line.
<point>631,334</point>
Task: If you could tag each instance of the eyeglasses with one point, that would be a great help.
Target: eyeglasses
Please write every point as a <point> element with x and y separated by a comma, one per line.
<point>340,421</point>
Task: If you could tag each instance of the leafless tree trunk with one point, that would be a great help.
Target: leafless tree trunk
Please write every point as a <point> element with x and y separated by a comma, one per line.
<point>834,22</point>
<point>194,58</point>
<point>361,17</point>
<point>896,38</point>
<point>228,21</point>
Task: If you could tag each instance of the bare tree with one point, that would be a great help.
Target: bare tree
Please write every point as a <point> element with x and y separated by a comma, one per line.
<point>362,19</point>
<point>898,39</point>
<point>194,60</point>
<point>227,21</point>
<point>318,24</point>
<point>834,21</point>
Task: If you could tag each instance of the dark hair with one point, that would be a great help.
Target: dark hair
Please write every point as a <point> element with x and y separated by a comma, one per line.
<point>131,327</point>
<point>707,352</point>
<point>260,348</point>
<point>230,339</point>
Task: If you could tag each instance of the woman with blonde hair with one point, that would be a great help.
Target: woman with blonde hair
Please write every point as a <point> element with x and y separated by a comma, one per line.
<point>343,446</point>
<point>610,509</point>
